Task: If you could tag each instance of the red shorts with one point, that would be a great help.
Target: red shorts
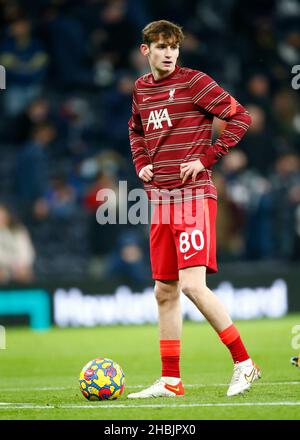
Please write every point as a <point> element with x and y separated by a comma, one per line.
<point>183,236</point>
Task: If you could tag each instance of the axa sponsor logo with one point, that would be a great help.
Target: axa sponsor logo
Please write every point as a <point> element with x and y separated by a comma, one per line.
<point>157,117</point>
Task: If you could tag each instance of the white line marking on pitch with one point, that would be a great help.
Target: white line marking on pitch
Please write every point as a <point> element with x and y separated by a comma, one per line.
<point>37,389</point>
<point>195,385</point>
<point>99,405</point>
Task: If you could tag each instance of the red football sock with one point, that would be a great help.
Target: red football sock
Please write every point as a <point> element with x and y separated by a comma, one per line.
<point>231,338</point>
<point>170,356</point>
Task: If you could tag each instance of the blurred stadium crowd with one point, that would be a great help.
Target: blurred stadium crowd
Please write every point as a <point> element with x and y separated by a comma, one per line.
<point>71,67</point>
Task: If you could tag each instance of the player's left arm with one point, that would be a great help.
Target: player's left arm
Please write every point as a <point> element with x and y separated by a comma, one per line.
<point>210,97</point>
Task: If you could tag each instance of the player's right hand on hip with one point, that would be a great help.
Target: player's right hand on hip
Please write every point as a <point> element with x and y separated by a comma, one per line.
<point>146,173</point>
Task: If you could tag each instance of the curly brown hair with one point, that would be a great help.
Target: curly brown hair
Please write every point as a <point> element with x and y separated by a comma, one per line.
<point>164,28</point>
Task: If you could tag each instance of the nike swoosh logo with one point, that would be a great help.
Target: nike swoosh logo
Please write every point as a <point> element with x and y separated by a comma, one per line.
<point>170,388</point>
<point>186,257</point>
<point>145,99</point>
<point>250,377</point>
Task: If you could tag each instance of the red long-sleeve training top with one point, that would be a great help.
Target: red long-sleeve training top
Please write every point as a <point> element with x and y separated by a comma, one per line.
<point>171,124</point>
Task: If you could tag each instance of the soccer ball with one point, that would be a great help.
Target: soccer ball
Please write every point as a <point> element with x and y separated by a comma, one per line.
<point>102,379</point>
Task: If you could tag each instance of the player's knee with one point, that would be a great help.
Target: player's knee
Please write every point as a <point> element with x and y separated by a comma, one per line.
<point>193,290</point>
<point>165,293</point>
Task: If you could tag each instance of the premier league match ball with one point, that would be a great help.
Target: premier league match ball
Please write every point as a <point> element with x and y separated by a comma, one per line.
<point>102,379</point>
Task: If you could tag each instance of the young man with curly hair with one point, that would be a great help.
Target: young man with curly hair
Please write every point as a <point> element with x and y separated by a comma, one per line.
<point>170,135</point>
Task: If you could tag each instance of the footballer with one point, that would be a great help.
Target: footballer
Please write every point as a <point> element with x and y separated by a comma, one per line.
<point>170,133</point>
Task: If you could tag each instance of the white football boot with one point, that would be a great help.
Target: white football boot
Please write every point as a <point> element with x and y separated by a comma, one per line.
<point>244,374</point>
<point>160,388</point>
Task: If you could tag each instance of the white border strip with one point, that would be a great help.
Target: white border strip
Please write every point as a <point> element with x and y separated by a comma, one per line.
<point>195,385</point>
<point>100,405</point>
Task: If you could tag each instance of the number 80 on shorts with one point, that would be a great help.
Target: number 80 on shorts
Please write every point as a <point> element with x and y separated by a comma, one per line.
<point>195,239</point>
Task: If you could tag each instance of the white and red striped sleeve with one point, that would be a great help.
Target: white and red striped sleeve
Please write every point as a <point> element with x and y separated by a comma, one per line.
<point>137,138</point>
<point>211,98</point>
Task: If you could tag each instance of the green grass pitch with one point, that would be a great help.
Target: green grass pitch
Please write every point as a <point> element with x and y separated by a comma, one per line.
<point>39,373</point>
